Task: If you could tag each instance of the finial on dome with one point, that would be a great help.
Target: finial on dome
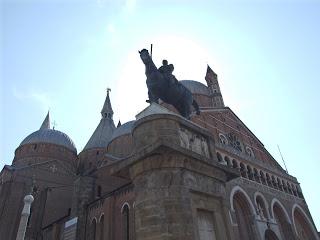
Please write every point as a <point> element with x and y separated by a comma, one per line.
<point>107,111</point>
<point>46,122</point>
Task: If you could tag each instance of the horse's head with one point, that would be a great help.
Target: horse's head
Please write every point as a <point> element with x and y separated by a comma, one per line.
<point>144,55</point>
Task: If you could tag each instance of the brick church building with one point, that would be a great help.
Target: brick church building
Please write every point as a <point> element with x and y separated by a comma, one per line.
<point>159,177</point>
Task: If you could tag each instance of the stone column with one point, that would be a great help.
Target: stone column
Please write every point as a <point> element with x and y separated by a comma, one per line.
<point>28,199</point>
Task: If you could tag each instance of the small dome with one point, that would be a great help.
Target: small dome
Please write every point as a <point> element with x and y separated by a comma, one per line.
<point>196,87</point>
<point>125,128</point>
<point>50,136</point>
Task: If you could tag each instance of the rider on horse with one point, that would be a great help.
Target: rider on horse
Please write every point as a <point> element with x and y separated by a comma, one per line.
<point>167,70</point>
<point>162,84</point>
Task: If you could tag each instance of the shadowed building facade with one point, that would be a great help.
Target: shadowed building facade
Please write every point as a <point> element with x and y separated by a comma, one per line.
<point>159,176</point>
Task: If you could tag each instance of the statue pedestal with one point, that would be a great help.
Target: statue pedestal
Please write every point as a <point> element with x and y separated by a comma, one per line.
<point>178,183</point>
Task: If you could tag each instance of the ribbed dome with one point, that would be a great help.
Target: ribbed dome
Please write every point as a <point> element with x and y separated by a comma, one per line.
<point>47,135</point>
<point>196,87</point>
<point>50,136</point>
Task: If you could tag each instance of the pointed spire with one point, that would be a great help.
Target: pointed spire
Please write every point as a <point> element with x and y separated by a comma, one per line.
<point>107,111</point>
<point>119,124</point>
<point>101,136</point>
<point>46,122</point>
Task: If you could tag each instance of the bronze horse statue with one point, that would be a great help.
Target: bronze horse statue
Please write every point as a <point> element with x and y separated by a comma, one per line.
<point>163,85</point>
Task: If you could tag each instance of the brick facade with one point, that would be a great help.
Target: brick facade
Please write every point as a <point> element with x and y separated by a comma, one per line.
<point>164,178</point>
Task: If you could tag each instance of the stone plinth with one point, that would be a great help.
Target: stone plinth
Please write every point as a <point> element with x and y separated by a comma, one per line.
<point>177,180</point>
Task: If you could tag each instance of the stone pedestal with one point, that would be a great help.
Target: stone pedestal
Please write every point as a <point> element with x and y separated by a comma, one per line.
<point>179,185</point>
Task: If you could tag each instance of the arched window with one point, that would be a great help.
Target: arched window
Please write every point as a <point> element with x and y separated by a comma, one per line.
<point>303,225</point>
<point>279,184</point>
<point>261,208</point>
<point>102,227</point>
<point>125,222</point>
<point>249,151</point>
<point>250,173</point>
<point>227,159</point>
<point>268,180</point>
<point>234,164</point>
<point>243,216</point>
<point>243,170</point>
<point>281,219</point>
<point>256,175</point>
<point>223,139</point>
<point>274,182</point>
<point>263,178</point>
<point>285,188</point>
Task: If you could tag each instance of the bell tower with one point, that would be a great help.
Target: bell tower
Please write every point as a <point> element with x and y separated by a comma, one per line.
<point>214,88</point>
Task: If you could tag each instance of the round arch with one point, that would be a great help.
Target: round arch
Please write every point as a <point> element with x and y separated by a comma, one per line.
<point>256,194</point>
<point>243,209</point>
<point>236,189</point>
<point>296,206</point>
<point>274,201</point>
<point>125,204</point>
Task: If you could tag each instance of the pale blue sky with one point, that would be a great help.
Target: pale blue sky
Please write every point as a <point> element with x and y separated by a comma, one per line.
<point>63,55</point>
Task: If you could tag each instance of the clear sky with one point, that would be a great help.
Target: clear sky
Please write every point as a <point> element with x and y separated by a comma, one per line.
<point>63,54</point>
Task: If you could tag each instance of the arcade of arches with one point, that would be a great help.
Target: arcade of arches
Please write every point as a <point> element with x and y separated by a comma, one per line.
<point>251,220</point>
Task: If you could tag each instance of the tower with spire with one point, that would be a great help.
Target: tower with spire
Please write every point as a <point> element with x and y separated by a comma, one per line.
<point>214,88</point>
<point>104,130</point>
<point>107,111</point>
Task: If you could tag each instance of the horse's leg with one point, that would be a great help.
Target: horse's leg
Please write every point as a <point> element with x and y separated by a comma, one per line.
<point>184,109</point>
<point>152,98</point>
<point>187,111</point>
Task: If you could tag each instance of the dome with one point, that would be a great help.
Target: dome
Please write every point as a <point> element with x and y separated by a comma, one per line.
<point>50,136</point>
<point>196,87</point>
<point>122,130</point>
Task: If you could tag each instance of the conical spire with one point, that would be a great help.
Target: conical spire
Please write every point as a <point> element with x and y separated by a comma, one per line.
<point>107,111</point>
<point>101,136</point>
<point>46,122</point>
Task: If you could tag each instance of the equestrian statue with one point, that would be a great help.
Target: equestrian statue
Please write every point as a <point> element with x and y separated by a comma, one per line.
<point>162,84</point>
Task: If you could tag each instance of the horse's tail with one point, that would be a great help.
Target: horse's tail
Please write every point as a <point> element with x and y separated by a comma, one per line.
<point>196,106</point>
